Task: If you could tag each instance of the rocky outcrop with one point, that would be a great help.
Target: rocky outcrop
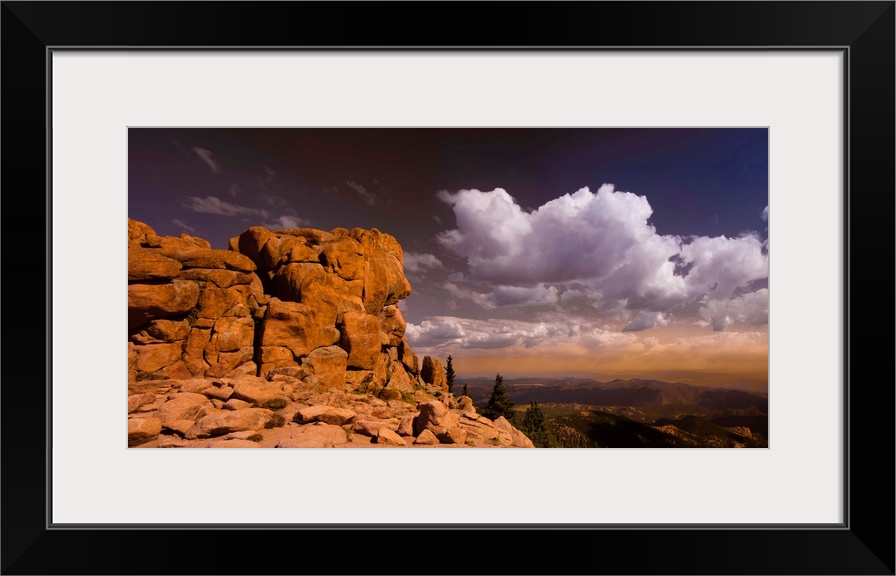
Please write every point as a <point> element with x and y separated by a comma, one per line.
<point>290,338</point>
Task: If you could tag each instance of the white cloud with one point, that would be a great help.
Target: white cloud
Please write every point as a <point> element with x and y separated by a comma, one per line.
<point>596,246</point>
<point>214,205</point>
<point>209,159</point>
<point>751,308</point>
<point>602,239</point>
<point>368,197</point>
<point>490,334</point>
<point>720,265</point>
<point>764,214</point>
<point>645,320</point>
<point>414,262</point>
<point>282,222</point>
<point>184,225</point>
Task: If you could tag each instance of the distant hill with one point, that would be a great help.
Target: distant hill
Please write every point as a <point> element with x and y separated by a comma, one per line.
<point>639,413</point>
<point>634,392</point>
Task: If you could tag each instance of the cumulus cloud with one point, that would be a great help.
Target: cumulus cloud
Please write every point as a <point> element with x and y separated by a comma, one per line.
<point>209,159</point>
<point>184,225</point>
<point>764,214</point>
<point>645,320</point>
<point>720,265</point>
<point>603,238</point>
<point>214,205</point>
<point>414,262</point>
<point>595,246</point>
<point>751,308</point>
<point>491,334</point>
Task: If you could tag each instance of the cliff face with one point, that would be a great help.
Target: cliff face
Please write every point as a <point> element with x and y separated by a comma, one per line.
<point>295,325</point>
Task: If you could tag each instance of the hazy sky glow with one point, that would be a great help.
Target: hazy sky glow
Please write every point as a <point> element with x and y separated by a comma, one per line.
<point>604,252</point>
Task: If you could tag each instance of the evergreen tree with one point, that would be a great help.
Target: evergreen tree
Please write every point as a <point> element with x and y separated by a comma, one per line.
<point>449,374</point>
<point>499,403</point>
<point>465,391</point>
<point>537,428</point>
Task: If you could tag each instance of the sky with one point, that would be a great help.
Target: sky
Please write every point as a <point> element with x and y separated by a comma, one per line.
<point>604,253</point>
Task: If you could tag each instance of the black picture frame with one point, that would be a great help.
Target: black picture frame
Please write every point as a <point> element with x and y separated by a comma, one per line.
<point>864,544</point>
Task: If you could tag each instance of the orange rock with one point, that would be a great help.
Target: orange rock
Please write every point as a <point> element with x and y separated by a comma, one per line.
<point>359,336</point>
<point>142,234</point>
<point>180,412</point>
<point>149,264</point>
<point>344,257</point>
<point>392,322</point>
<point>150,301</point>
<point>297,327</point>
<point>252,241</point>
<point>154,357</point>
<point>194,349</point>
<point>159,331</point>
<point>142,430</point>
<point>328,365</point>
<point>433,373</point>
<point>223,422</point>
<point>229,361</point>
<point>202,258</point>
<point>220,278</point>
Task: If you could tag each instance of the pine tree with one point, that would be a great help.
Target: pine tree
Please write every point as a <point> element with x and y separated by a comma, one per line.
<point>465,391</point>
<point>499,403</point>
<point>537,428</point>
<point>449,374</point>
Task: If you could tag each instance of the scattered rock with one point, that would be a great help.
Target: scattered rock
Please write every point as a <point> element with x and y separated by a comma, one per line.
<point>317,435</point>
<point>180,413</point>
<point>372,427</point>
<point>223,422</point>
<point>136,401</point>
<point>142,430</point>
<point>427,438</point>
<point>326,414</point>
<point>387,437</point>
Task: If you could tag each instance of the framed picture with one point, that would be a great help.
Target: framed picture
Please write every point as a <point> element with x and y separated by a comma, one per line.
<point>817,76</point>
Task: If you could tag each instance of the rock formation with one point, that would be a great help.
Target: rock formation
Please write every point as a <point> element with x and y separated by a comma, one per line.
<point>291,338</point>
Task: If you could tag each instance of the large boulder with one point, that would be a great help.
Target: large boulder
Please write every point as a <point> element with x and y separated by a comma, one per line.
<point>520,440</point>
<point>298,327</point>
<point>192,257</point>
<point>326,414</point>
<point>180,413</point>
<point>142,430</point>
<point>150,301</point>
<point>220,422</point>
<point>360,337</point>
<point>328,365</point>
<point>149,264</point>
<point>344,257</point>
<point>317,435</point>
<point>436,418</point>
<point>433,373</point>
<point>393,325</point>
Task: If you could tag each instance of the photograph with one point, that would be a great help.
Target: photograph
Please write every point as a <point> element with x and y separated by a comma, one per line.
<point>448,287</point>
<point>505,225</point>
